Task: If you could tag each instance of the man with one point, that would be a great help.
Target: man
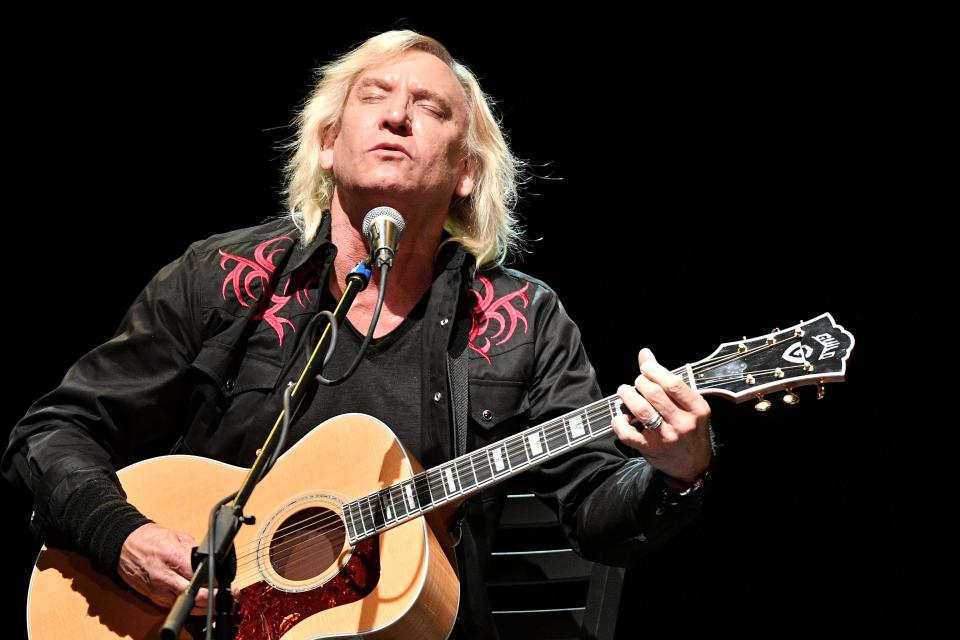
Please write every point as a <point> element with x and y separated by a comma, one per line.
<point>205,351</point>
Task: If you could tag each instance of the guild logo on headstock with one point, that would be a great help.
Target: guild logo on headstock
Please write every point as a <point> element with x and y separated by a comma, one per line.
<point>798,353</point>
<point>829,343</point>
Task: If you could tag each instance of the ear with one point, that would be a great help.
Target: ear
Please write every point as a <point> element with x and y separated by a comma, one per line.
<point>468,178</point>
<point>326,153</point>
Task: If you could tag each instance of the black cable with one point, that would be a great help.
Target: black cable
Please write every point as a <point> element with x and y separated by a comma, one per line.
<point>309,342</point>
<point>384,271</point>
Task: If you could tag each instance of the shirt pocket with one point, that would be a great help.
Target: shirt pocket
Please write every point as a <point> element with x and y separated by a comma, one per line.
<point>497,409</point>
<point>239,405</point>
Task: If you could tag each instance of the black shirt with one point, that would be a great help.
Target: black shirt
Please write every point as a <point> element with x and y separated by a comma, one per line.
<point>386,384</point>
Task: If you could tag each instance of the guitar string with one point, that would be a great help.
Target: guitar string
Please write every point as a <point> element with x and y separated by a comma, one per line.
<point>464,469</point>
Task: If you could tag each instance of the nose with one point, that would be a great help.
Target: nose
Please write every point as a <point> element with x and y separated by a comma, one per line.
<point>396,113</point>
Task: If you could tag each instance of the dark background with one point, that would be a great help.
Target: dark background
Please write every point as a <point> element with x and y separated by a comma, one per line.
<point>696,182</point>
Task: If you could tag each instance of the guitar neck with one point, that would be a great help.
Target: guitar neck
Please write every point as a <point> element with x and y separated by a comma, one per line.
<point>461,477</point>
<point>811,352</point>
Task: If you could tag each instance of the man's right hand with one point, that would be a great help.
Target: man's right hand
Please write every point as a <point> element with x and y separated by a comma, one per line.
<point>155,561</point>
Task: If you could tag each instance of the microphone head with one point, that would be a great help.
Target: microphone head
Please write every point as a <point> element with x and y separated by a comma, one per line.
<point>379,212</point>
<point>382,227</point>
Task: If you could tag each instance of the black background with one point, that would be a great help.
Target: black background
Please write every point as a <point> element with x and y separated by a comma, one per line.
<point>697,181</point>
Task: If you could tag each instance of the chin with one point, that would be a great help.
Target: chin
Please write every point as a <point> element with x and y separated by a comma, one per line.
<point>391,189</point>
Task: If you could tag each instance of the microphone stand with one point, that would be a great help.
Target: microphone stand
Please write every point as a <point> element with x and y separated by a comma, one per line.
<point>219,558</point>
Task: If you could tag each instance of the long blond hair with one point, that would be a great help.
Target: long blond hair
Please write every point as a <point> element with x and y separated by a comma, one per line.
<point>484,222</point>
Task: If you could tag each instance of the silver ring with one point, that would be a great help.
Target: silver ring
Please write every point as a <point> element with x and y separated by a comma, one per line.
<point>654,422</point>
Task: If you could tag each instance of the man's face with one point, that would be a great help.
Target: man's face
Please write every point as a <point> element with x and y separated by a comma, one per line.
<point>402,132</point>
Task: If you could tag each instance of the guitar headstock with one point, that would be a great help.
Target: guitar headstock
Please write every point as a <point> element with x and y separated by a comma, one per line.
<point>810,353</point>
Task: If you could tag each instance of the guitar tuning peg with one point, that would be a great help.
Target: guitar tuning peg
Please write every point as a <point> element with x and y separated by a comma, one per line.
<point>791,398</point>
<point>762,403</point>
<point>820,391</point>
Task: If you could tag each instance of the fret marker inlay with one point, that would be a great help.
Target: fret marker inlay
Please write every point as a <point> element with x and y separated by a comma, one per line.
<point>534,440</point>
<point>410,501</point>
<point>576,426</point>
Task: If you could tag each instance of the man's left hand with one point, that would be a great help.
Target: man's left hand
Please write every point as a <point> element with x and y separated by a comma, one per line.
<point>680,447</point>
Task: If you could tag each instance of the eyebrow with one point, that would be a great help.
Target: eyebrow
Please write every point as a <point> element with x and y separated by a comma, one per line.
<point>418,92</point>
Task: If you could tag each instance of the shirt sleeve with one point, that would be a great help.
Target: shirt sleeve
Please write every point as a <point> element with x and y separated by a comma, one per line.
<point>613,508</point>
<point>120,400</point>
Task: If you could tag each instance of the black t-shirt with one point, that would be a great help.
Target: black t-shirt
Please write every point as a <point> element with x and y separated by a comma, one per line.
<point>386,384</point>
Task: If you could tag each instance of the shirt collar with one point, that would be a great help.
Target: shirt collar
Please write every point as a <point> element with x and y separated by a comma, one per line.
<point>451,256</point>
<point>304,252</point>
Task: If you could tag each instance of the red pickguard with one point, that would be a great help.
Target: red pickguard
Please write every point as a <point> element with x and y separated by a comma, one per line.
<point>267,612</point>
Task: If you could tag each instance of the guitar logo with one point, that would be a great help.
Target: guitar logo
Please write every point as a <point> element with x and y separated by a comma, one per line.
<point>798,353</point>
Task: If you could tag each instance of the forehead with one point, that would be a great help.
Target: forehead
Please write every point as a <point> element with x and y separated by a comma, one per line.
<point>416,70</point>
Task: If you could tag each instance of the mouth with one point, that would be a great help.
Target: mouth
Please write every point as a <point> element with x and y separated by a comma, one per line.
<point>388,147</point>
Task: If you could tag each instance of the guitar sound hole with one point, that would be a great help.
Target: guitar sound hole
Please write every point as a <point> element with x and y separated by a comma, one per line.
<point>306,543</point>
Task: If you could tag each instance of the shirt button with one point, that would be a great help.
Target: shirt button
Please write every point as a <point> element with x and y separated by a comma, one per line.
<point>444,322</point>
<point>437,396</point>
<point>487,415</point>
<point>228,385</point>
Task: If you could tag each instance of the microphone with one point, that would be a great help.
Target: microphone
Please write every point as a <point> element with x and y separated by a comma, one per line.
<point>383,226</point>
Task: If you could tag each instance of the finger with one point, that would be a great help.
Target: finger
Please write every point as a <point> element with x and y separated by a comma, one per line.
<point>655,396</point>
<point>178,558</point>
<point>200,605</point>
<point>685,397</point>
<point>645,355</point>
<point>163,589</point>
<point>186,539</point>
<point>628,434</point>
<point>643,413</point>
<point>179,585</point>
<point>639,406</point>
<point>183,567</point>
<point>652,392</point>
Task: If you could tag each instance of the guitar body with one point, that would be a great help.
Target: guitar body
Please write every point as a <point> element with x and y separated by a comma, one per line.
<point>298,577</point>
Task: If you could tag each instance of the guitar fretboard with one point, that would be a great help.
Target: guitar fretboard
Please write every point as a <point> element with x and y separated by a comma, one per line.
<point>468,474</point>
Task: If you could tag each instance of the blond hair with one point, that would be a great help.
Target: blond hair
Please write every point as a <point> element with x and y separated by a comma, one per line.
<point>484,222</point>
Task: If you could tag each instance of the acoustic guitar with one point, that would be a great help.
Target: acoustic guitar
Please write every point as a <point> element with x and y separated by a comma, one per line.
<point>341,546</point>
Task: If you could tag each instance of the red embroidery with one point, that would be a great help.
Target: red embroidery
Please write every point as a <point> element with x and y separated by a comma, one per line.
<point>486,308</point>
<point>305,279</point>
<point>260,269</point>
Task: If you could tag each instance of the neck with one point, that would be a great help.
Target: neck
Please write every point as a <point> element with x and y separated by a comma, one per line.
<point>412,271</point>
